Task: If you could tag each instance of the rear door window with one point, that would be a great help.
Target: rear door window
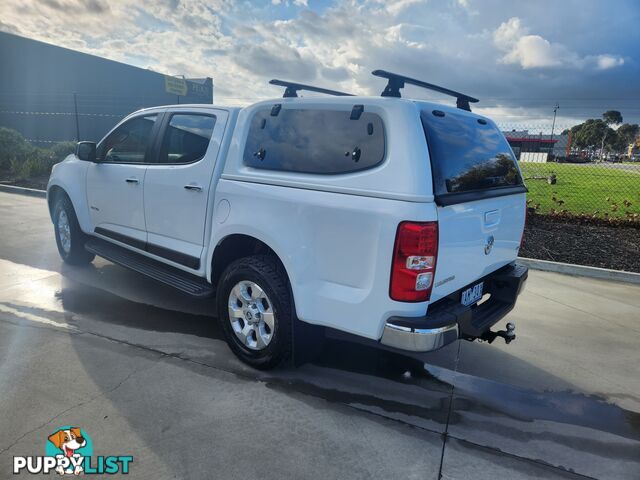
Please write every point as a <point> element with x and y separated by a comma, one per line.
<point>314,141</point>
<point>468,154</point>
<point>186,138</point>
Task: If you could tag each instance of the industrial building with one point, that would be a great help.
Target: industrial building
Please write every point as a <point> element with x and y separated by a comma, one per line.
<point>51,94</point>
<point>538,146</point>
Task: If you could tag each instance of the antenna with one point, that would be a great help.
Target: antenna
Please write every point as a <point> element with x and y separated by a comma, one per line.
<point>396,82</point>
<point>291,89</point>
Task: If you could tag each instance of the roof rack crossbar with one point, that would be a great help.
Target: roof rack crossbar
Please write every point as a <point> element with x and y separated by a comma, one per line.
<point>396,82</point>
<point>292,88</point>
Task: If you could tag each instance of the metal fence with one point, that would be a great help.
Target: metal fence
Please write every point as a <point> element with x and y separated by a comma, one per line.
<point>564,178</point>
<point>46,119</point>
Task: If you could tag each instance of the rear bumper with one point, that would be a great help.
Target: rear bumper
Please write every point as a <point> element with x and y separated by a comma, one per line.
<point>449,320</point>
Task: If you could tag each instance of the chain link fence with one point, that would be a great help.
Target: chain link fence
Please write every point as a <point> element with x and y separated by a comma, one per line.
<point>566,178</point>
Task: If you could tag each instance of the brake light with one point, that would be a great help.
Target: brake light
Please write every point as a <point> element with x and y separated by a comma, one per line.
<point>414,261</point>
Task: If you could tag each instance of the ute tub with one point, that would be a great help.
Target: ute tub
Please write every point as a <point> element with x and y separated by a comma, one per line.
<point>449,320</point>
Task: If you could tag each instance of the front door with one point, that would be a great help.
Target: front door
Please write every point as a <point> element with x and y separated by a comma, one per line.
<point>177,183</point>
<point>115,183</point>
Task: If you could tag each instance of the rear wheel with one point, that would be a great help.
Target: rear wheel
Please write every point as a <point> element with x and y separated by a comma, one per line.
<point>256,311</point>
<point>69,237</point>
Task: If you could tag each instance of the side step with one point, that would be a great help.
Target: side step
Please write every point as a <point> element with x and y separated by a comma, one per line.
<point>183,281</point>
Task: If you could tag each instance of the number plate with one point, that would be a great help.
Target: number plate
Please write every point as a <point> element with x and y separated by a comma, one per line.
<point>472,294</point>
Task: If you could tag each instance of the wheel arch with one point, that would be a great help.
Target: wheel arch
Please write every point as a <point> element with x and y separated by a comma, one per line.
<point>53,194</point>
<point>77,198</point>
<point>239,245</point>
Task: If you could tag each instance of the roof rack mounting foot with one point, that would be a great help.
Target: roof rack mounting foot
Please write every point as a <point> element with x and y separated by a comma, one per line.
<point>292,88</point>
<point>397,82</point>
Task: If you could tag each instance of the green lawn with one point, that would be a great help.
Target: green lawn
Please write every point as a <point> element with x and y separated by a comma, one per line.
<point>583,189</point>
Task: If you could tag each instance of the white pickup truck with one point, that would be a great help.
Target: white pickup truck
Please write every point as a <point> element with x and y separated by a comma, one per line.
<point>393,221</point>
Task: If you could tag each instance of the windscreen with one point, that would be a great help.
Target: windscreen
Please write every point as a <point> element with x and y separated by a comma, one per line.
<point>467,154</point>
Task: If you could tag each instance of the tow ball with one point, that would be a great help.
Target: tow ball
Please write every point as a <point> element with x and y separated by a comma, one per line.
<point>509,334</point>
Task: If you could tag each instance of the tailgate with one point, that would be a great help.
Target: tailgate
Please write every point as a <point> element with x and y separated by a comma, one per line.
<point>475,239</point>
<point>480,197</point>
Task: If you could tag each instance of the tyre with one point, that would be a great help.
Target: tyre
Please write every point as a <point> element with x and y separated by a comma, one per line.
<point>69,237</point>
<point>256,312</point>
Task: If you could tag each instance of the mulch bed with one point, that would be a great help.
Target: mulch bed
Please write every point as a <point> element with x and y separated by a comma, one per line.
<point>583,241</point>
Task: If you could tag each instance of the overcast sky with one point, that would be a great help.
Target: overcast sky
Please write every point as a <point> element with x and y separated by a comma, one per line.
<point>518,57</point>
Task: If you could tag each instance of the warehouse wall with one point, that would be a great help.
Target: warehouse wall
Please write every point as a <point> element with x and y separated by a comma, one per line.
<point>38,82</point>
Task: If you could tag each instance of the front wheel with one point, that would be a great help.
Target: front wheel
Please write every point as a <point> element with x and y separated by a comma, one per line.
<point>69,237</point>
<point>256,311</point>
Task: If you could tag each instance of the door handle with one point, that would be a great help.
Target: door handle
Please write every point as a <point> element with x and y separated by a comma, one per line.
<point>491,218</point>
<point>132,180</point>
<point>196,188</point>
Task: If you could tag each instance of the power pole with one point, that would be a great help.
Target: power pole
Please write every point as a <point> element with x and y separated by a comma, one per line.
<point>553,125</point>
<point>75,107</point>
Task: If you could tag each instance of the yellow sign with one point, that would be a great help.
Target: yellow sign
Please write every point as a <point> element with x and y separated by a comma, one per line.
<point>175,85</point>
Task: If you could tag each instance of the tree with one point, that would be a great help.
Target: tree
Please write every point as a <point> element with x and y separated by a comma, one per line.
<point>591,134</point>
<point>610,117</point>
<point>627,134</point>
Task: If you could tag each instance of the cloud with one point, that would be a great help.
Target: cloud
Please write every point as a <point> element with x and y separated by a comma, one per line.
<point>515,58</point>
<point>605,62</point>
<point>394,8</point>
<point>534,51</point>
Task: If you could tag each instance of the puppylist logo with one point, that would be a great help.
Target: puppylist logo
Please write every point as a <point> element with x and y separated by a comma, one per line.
<point>69,451</point>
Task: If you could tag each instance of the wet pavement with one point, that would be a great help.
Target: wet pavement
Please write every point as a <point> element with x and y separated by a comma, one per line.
<point>145,372</point>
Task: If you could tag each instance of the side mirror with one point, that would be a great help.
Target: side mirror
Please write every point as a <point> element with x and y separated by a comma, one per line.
<point>86,151</point>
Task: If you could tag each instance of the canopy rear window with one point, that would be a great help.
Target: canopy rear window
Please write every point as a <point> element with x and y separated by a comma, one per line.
<point>468,155</point>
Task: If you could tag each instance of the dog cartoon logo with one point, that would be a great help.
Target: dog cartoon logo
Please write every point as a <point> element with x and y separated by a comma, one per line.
<point>69,440</point>
<point>69,451</point>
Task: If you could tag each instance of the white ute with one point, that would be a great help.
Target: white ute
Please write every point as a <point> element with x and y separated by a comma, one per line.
<point>392,221</point>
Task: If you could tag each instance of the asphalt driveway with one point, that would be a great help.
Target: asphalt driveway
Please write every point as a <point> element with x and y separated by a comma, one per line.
<point>145,372</point>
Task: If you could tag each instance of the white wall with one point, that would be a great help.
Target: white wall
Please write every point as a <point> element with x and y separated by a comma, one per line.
<point>534,157</point>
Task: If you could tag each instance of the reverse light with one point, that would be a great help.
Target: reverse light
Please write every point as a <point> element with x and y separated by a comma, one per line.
<point>414,261</point>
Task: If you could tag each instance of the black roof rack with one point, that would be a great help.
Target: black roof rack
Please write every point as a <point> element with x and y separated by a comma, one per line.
<point>291,89</point>
<point>396,82</point>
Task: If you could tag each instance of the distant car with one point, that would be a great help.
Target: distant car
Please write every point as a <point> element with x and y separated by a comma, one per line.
<point>397,222</point>
<point>577,159</point>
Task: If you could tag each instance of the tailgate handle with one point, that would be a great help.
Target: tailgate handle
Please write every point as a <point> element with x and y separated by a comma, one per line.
<point>491,218</point>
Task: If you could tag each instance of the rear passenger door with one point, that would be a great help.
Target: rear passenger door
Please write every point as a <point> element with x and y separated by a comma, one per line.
<point>177,186</point>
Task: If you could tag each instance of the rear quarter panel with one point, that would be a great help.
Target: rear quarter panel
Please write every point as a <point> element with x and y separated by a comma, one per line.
<point>336,248</point>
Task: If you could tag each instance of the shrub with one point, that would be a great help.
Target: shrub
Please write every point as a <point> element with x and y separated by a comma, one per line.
<point>22,160</point>
<point>61,150</point>
<point>13,149</point>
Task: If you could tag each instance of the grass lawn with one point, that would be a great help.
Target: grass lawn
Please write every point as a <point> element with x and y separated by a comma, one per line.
<point>583,189</point>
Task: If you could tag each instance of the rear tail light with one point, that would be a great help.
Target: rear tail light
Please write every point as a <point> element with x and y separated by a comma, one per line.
<point>414,261</point>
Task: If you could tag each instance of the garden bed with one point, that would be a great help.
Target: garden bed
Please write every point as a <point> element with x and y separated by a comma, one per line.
<point>583,241</point>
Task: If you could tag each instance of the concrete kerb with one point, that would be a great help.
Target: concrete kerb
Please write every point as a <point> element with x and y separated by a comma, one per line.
<point>581,270</point>
<point>24,191</point>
